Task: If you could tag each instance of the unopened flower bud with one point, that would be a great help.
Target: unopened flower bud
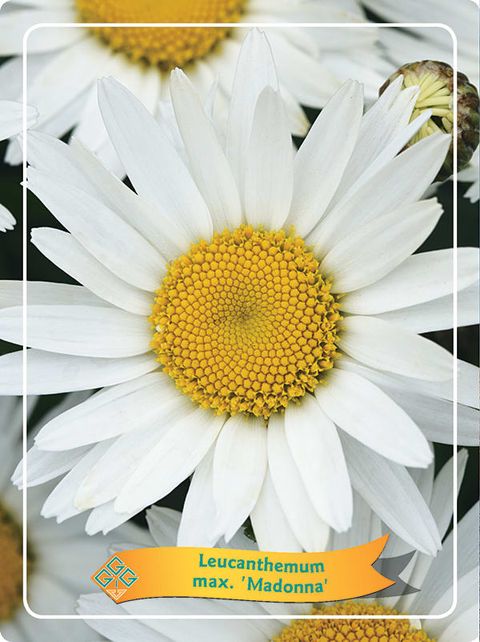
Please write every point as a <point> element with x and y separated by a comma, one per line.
<point>435,82</point>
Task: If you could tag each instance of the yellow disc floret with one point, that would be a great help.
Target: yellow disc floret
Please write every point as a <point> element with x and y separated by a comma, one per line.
<point>365,630</point>
<point>11,547</point>
<point>246,322</point>
<point>167,47</point>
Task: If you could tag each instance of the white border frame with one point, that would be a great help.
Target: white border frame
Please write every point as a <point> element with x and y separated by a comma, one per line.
<point>262,26</point>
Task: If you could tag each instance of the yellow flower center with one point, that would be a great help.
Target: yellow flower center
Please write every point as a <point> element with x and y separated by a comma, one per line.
<point>11,552</point>
<point>163,46</point>
<point>352,630</point>
<point>246,322</point>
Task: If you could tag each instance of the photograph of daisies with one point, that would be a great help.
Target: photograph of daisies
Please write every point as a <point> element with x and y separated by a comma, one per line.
<point>239,307</point>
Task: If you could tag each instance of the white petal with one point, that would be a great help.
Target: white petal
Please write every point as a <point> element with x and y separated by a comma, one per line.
<point>439,578</point>
<point>105,518</point>
<point>192,629</point>
<point>76,165</point>
<point>208,163</point>
<point>44,466</point>
<point>70,256</point>
<point>7,220</point>
<point>435,416</point>
<point>317,451</point>
<point>59,503</point>
<point>151,162</point>
<point>271,528</point>
<point>112,412</point>
<point>199,512</point>
<point>163,524</point>
<point>380,125</point>
<point>45,293</point>
<point>116,629</point>
<point>309,529</point>
<point>306,78</point>
<point>239,466</point>
<point>112,472</point>
<point>11,118</point>
<point>66,77</point>
<point>401,181</point>
<point>50,373</point>
<point>438,314</point>
<point>467,373</point>
<point>393,495</point>
<point>422,277</point>
<point>269,164</point>
<point>385,346</point>
<point>255,71</point>
<point>14,24</point>
<point>102,232</point>
<point>360,408</point>
<point>81,330</point>
<point>322,158</point>
<point>375,249</point>
<point>440,505</point>
<point>172,460</point>
<point>464,627</point>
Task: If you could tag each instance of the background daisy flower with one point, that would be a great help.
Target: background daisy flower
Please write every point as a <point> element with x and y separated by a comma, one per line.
<point>65,63</point>
<point>60,558</point>
<point>433,577</point>
<point>255,316</point>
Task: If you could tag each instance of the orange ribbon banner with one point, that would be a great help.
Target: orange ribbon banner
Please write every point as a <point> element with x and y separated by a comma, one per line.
<point>243,575</point>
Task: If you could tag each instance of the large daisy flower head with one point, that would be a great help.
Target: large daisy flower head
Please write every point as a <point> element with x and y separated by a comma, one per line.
<point>59,558</point>
<point>64,63</point>
<point>431,576</point>
<point>240,309</point>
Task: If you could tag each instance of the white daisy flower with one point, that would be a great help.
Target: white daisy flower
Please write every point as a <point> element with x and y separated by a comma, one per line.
<point>60,560</point>
<point>281,366</point>
<point>65,63</point>
<point>11,119</point>
<point>433,576</point>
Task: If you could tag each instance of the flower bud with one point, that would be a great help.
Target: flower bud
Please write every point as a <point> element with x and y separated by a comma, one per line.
<point>435,82</point>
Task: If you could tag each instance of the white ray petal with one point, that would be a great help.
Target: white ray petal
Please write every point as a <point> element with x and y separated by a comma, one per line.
<point>420,278</point>
<point>151,162</point>
<point>70,256</point>
<point>112,241</point>
<point>255,71</point>
<point>364,411</point>
<point>270,525</point>
<point>172,460</point>
<point>205,155</point>
<point>50,373</point>
<point>109,413</point>
<point>81,330</point>
<point>199,511</point>
<point>323,156</point>
<point>385,346</point>
<point>268,184</point>
<point>403,180</point>
<point>315,446</point>
<point>375,249</point>
<point>309,529</point>
<point>393,495</point>
<point>239,466</point>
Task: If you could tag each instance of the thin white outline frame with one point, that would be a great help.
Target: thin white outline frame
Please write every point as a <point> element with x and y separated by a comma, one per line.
<point>262,26</point>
